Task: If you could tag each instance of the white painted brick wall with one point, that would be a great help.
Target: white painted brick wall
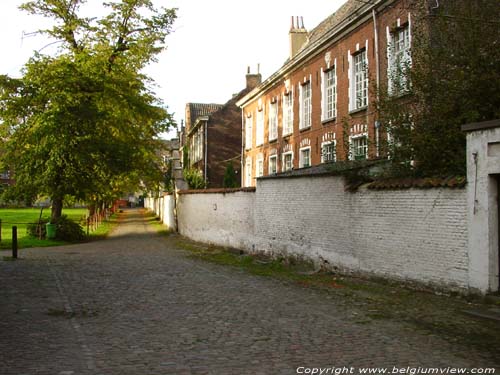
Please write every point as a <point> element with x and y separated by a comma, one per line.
<point>411,234</point>
<point>217,218</point>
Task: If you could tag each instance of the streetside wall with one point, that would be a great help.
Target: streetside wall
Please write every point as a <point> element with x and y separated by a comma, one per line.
<point>223,218</point>
<point>413,234</point>
<point>164,208</point>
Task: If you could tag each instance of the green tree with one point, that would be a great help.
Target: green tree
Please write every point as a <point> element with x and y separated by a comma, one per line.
<point>81,122</point>
<point>194,178</point>
<point>230,180</point>
<point>454,80</point>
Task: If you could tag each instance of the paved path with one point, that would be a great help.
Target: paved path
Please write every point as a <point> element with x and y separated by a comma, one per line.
<point>135,304</point>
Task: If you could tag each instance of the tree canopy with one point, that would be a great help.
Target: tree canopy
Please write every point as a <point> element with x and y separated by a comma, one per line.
<point>85,121</point>
<point>454,80</point>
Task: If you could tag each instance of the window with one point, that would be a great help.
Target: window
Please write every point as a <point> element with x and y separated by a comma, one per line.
<point>359,147</point>
<point>305,157</point>
<point>259,137</point>
<point>248,132</point>
<point>273,121</point>
<point>328,152</point>
<point>399,60</point>
<point>287,161</point>
<point>360,79</point>
<point>273,164</point>
<point>248,172</point>
<point>329,94</point>
<point>260,167</point>
<point>288,113</point>
<point>305,106</point>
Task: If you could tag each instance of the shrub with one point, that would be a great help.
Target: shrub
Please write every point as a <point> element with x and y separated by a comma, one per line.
<point>34,229</point>
<point>194,179</point>
<point>68,230</point>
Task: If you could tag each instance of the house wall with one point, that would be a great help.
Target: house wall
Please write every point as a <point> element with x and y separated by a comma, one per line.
<point>361,34</point>
<point>412,234</point>
<point>483,189</point>
<point>224,143</point>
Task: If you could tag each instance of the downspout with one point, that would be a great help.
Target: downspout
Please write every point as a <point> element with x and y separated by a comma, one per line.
<point>242,146</point>
<point>377,78</point>
<point>206,152</point>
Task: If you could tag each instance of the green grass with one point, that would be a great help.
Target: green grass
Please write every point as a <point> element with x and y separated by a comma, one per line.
<point>21,217</point>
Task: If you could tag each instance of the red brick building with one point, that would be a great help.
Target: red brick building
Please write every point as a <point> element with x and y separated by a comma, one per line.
<point>318,107</point>
<point>213,135</point>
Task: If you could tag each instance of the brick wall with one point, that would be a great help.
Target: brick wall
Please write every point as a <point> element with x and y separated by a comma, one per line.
<point>410,234</point>
<point>413,234</point>
<point>218,218</point>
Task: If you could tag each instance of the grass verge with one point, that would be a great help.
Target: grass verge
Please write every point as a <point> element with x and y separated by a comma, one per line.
<point>22,216</point>
<point>373,299</point>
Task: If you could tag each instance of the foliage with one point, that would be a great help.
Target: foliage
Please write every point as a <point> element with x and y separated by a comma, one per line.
<point>85,122</point>
<point>194,179</point>
<point>68,230</point>
<point>37,230</point>
<point>185,157</point>
<point>454,80</point>
<point>230,180</point>
<point>22,216</point>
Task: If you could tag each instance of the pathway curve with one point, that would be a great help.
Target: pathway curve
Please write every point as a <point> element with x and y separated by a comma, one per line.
<point>136,304</point>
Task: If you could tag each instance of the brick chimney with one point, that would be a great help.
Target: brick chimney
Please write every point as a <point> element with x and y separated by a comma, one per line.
<point>253,80</point>
<point>297,35</point>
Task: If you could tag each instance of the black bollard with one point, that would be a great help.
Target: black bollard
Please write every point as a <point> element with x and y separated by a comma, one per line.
<point>14,242</point>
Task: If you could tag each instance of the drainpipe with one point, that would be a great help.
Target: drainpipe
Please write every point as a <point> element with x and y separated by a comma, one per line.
<point>206,151</point>
<point>377,77</point>
<point>242,181</point>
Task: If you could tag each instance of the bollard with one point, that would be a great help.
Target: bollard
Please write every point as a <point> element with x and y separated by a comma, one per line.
<point>0,230</point>
<point>14,242</point>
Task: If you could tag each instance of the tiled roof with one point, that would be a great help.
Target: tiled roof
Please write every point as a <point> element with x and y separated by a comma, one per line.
<point>202,109</point>
<point>346,12</point>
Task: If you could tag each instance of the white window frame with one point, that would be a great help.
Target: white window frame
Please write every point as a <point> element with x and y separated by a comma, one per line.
<point>259,167</point>
<point>355,138</point>
<point>305,107</point>
<point>283,165</point>
<point>358,80</point>
<point>399,59</point>
<point>288,113</point>
<point>329,91</point>
<point>259,127</point>
<point>273,121</point>
<point>326,144</point>
<point>248,132</point>
<point>248,171</point>
<point>275,158</point>
<point>302,163</point>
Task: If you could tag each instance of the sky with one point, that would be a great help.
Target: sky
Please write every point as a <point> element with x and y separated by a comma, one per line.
<point>212,44</point>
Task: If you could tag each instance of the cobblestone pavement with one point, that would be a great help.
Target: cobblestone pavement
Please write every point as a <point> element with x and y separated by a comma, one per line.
<point>135,304</point>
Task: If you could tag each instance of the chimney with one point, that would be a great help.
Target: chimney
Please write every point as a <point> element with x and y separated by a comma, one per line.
<point>298,35</point>
<point>253,80</point>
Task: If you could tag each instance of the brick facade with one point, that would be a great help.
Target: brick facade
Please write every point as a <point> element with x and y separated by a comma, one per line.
<point>356,28</point>
<point>213,135</point>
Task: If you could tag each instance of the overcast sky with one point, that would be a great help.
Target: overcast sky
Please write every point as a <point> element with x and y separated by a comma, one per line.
<point>208,53</point>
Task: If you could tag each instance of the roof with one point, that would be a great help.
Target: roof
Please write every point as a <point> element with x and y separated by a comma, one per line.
<point>329,28</point>
<point>346,12</point>
<point>202,109</point>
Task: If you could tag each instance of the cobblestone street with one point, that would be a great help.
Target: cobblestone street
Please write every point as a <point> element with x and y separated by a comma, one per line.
<point>136,304</point>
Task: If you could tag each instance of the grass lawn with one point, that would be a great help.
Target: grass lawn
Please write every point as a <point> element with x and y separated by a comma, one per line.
<point>21,217</point>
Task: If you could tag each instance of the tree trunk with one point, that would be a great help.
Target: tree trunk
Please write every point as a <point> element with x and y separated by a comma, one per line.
<point>57,206</point>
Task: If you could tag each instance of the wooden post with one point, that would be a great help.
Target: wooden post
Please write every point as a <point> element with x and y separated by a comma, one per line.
<point>14,242</point>
<point>0,230</point>
<point>88,225</point>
